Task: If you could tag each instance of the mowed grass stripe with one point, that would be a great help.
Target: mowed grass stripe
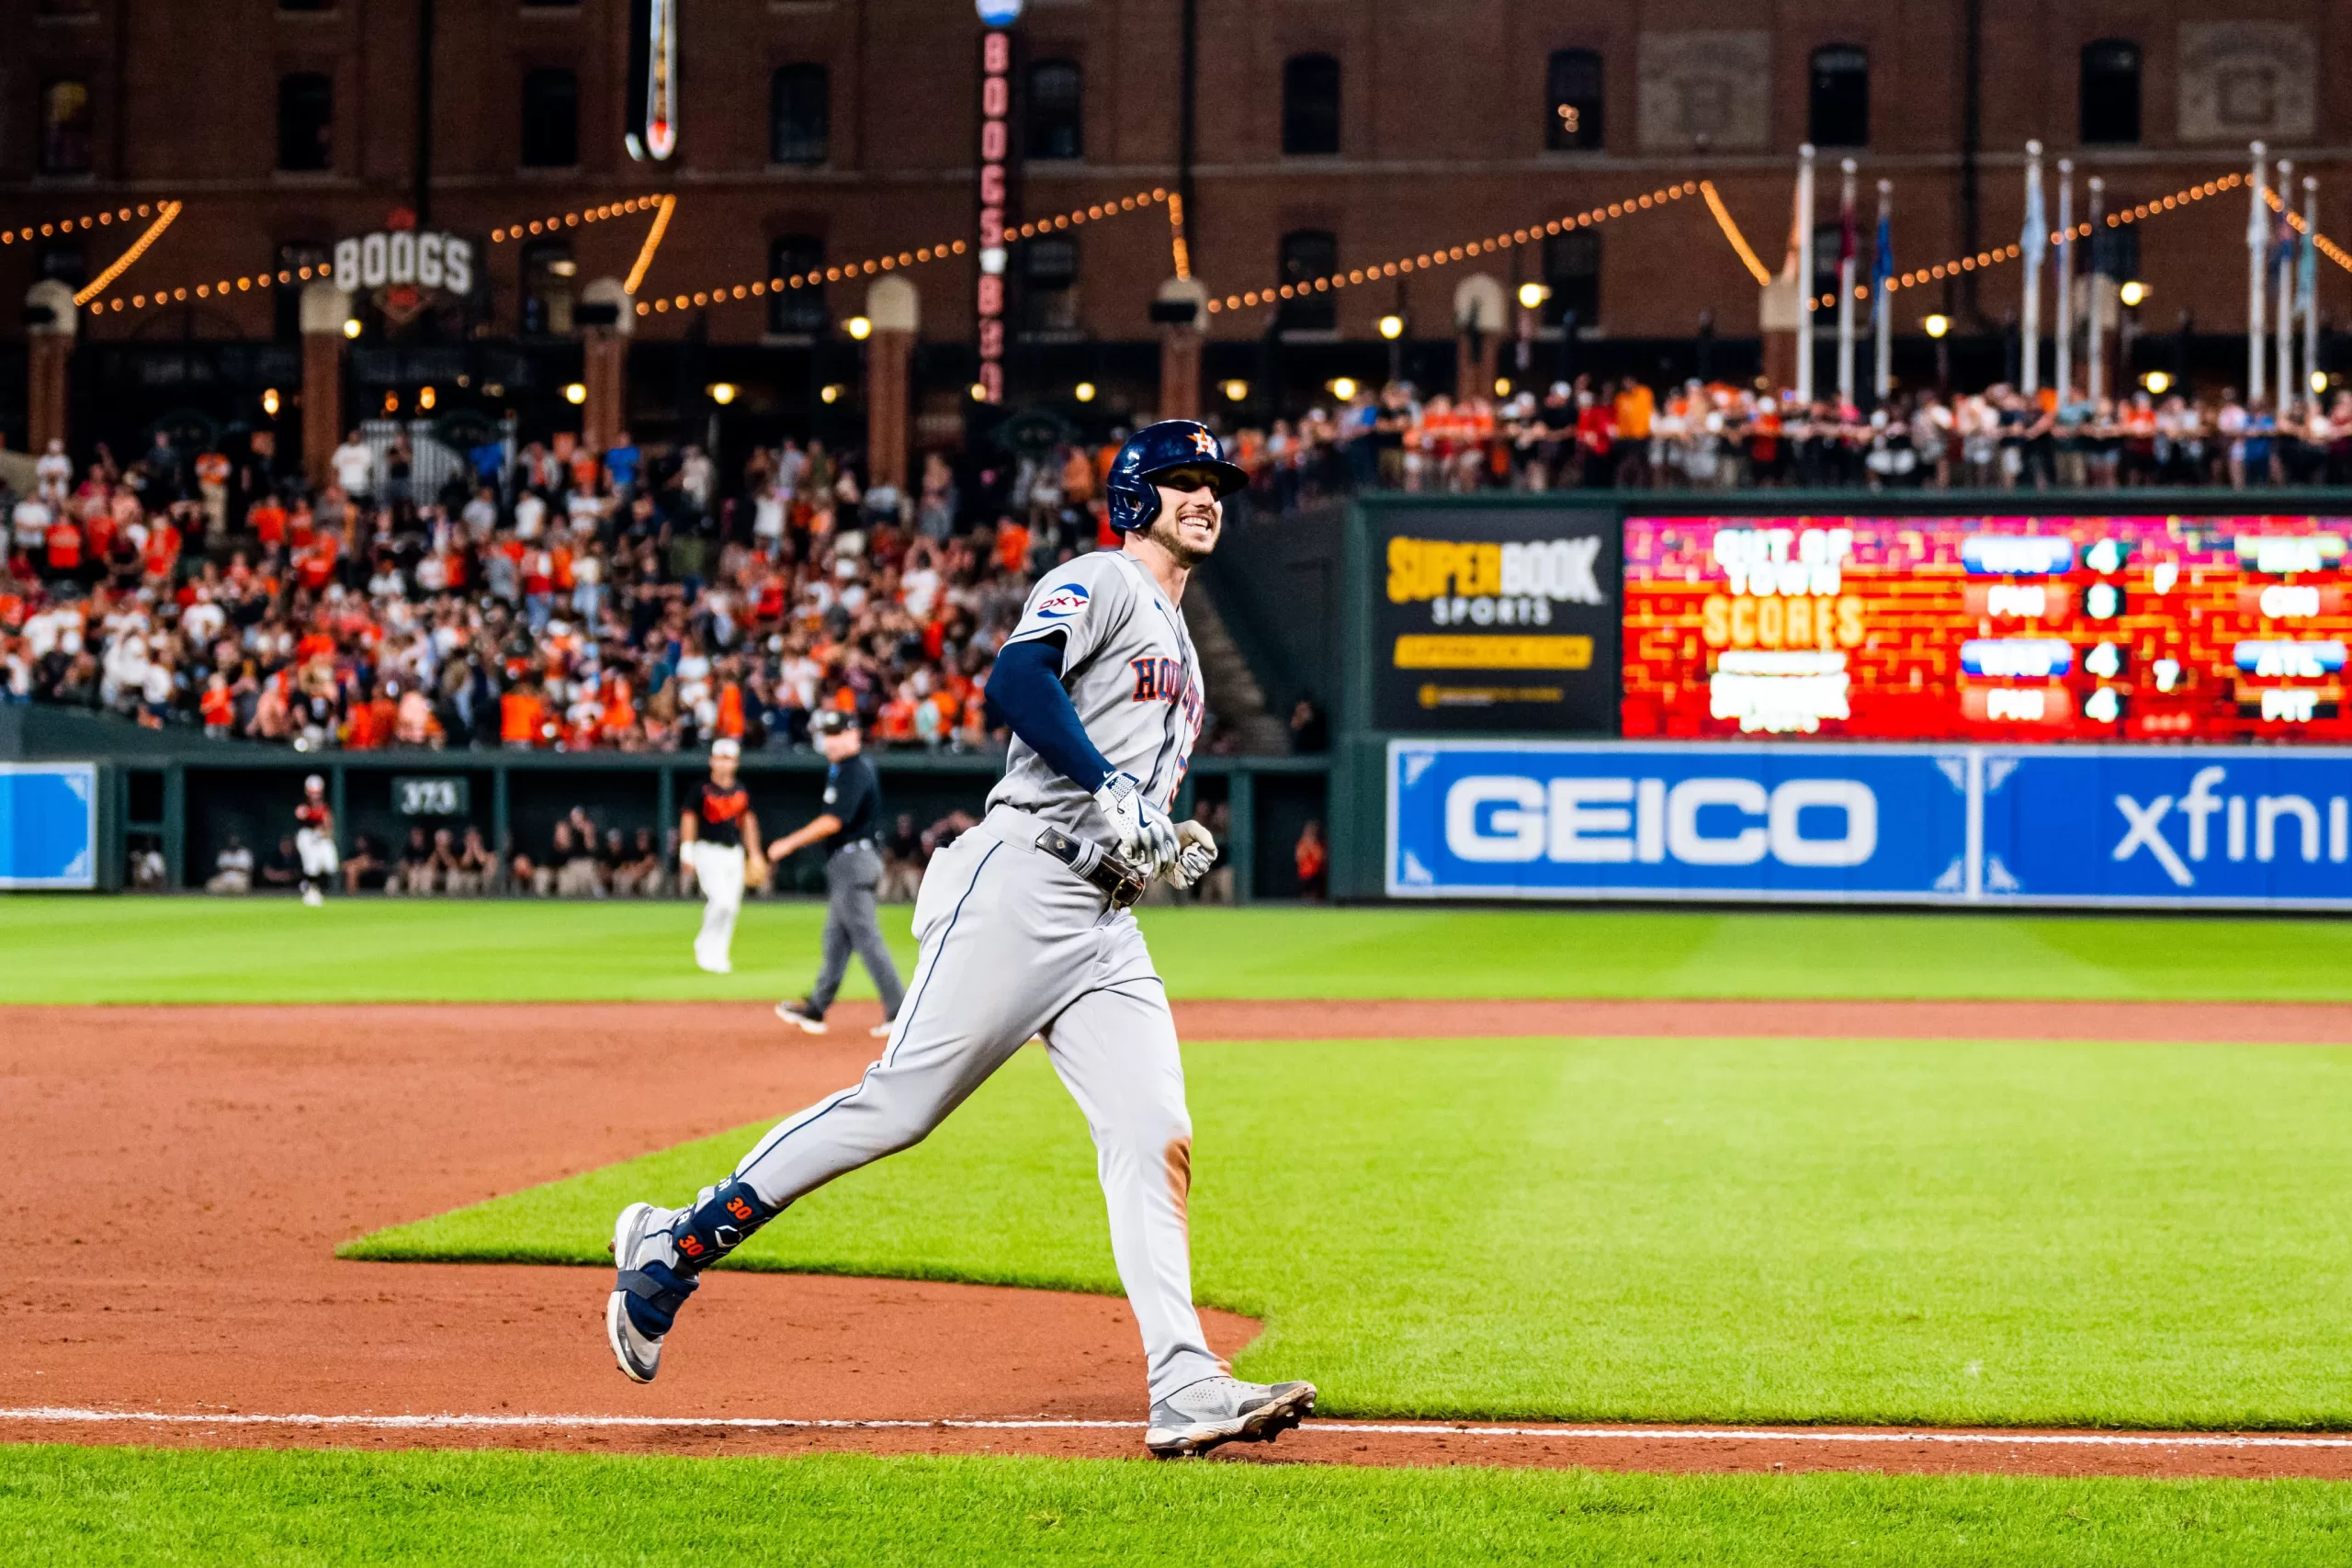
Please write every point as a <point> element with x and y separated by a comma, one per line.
<point>138,1507</point>
<point>1903,1233</point>
<point>70,950</point>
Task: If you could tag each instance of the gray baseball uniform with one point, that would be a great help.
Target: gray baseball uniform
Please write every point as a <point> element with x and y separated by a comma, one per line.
<point>1014,943</point>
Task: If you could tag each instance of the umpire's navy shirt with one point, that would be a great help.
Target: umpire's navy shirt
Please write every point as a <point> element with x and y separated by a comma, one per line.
<point>853,794</point>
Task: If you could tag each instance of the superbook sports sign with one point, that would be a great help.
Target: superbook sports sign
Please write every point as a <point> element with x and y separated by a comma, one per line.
<point>2213,827</point>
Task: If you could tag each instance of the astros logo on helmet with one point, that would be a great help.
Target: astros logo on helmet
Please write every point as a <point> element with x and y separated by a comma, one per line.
<point>1156,449</point>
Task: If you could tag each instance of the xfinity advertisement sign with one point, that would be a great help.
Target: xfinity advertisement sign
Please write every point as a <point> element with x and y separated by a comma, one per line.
<point>2215,827</point>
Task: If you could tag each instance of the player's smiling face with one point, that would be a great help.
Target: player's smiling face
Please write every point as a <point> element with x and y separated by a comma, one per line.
<point>1191,515</point>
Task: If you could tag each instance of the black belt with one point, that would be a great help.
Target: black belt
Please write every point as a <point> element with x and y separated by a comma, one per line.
<point>1118,881</point>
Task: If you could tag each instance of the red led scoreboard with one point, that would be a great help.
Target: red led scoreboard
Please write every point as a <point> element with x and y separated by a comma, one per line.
<point>1980,628</point>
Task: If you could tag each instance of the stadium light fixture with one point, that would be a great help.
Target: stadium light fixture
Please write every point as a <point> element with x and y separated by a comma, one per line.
<point>426,398</point>
<point>1502,386</point>
<point>2133,293</point>
<point>1392,327</point>
<point>860,327</point>
<point>979,393</point>
<point>1085,391</point>
<point>1235,391</point>
<point>1342,387</point>
<point>351,326</point>
<point>1532,294</point>
<point>1938,324</point>
<point>269,404</point>
<point>722,392</point>
<point>2318,381</point>
<point>832,392</point>
<point>575,394</point>
<point>2156,381</point>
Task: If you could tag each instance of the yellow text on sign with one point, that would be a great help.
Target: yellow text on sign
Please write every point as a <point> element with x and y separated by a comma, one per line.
<point>1432,568</point>
<point>1430,651</point>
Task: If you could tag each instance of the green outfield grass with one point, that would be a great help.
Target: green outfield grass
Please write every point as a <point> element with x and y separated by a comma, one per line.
<point>141,1506</point>
<point>1704,1230</point>
<point>197,949</point>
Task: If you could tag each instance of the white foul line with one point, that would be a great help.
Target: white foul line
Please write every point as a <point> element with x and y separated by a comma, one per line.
<point>72,1415</point>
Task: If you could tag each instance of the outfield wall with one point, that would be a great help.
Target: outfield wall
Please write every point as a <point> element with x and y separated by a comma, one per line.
<point>2126,698</point>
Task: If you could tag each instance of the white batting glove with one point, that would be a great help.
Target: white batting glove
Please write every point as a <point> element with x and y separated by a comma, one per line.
<point>1196,855</point>
<point>1141,830</point>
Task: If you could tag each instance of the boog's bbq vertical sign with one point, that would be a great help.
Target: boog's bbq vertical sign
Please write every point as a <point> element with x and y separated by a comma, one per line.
<point>996,144</point>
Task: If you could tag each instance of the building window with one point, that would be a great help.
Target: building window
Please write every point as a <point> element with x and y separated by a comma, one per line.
<point>1311,104</point>
<point>796,311</point>
<point>65,130</point>
<point>1056,129</point>
<point>2111,92</point>
<point>63,261</point>
<point>550,119</point>
<point>305,121</point>
<point>1050,286</point>
<point>1572,272</point>
<point>1572,113</point>
<point>1840,111</point>
<point>287,298</point>
<point>800,115</point>
<point>549,285</point>
<point>1307,255</point>
<point>2115,253</point>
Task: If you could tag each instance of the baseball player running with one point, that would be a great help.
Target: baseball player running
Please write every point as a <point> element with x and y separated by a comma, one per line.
<point>314,839</point>
<point>712,835</point>
<point>1025,928</point>
<point>853,815</point>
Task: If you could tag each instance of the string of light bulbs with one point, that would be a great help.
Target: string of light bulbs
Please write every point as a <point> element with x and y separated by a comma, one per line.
<point>2319,242</point>
<point>1446,255</point>
<point>72,225</point>
<point>604,214</point>
<point>874,266</point>
<point>132,252</point>
<point>1739,244</point>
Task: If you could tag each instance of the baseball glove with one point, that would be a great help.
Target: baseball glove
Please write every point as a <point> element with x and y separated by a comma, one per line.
<point>756,866</point>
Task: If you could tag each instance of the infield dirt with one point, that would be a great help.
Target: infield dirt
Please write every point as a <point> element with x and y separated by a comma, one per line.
<point>186,1173</point>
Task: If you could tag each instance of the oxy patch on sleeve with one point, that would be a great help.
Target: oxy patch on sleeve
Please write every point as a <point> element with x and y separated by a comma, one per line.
<point>1064,604</point>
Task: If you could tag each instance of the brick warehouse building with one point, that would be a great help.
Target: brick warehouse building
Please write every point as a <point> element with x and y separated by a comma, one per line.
<point>1323,135</point>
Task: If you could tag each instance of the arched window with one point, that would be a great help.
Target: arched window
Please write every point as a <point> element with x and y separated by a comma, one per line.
<point>305,121</point>
<point>550,279</point>
<point>65,129</point>
<point>1050,286</point>
<point>2110,91</point>
<point>1839,113</point>
<point>800,115</point>
<point>1055,125</point>
<point>1572,271</point>
<point>550,119</point>
<point>1307,255</point>
<point>1572,100</point>
<point>796,311</point>
<point>1311,104</point>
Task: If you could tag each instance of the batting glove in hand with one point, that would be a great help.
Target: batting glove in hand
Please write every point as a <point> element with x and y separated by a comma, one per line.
<point>1143,831</point>
<point>1196,855</point>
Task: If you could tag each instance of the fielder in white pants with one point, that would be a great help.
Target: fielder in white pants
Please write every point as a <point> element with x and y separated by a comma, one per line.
<point>712,835</point>
<point>1025,928</point>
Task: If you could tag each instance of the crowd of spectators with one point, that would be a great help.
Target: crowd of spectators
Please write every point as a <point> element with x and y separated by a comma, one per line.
<point>555,597</point>
<point>1622,433</point>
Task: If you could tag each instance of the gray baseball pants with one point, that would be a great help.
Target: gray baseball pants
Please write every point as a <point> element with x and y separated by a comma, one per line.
<point>1015,945</point>
<point>851,876</point>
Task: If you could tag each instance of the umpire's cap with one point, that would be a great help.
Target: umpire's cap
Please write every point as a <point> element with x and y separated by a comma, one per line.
<point>1162,448</point>
<point>831,721</point>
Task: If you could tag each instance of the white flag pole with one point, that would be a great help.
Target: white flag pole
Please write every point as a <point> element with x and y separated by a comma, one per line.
<point>1804,273</point>
<point>2310,295</point>
<point>2030,252</point>
<point>1846,247</point>
<point>2065,374</point>
<point>1882,303</point>
<point>2256,350</point>
<point>2093,350</point>
<point>2286,383</point>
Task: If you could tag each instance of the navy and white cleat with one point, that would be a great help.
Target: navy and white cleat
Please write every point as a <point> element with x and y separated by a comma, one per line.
<point>646,1292</point>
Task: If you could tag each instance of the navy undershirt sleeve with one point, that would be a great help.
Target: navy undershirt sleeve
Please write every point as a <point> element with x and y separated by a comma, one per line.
<point>1024,691</point>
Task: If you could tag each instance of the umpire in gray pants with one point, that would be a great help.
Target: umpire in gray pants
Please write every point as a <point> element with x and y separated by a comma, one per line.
<point>847,828</point>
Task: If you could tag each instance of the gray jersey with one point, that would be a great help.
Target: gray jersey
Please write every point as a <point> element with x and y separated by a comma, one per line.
<point>1128,665</point>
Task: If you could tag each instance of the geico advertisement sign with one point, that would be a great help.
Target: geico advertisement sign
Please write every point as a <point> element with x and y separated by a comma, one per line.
<point>1702,821</point>
<point>1532,820</point>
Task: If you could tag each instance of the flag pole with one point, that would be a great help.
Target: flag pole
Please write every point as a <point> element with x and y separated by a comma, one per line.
<point>2309,290</point>
<point>2030,250</point>
<point>1882,301</point>
<point>1804,273</point>
<point>2285,382</point>
<point>2066,373</point>
<point>2256,231</point>
<point>1845,283</point>
<point>2093,298</point>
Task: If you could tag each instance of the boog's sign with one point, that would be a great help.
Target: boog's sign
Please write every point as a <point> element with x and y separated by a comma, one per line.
<point>403,258</point>
<point>1585,820</point>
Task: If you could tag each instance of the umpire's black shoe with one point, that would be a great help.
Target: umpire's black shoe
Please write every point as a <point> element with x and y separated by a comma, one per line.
<point>803,1015</point>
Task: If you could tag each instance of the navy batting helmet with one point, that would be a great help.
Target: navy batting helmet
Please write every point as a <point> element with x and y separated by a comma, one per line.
<point>1163,448</point>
